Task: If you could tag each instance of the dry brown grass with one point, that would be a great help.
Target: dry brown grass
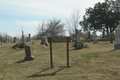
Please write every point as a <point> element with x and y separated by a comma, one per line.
<point>98,62</point>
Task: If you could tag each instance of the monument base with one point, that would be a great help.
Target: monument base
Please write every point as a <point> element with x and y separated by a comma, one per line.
<point>42,42</point>
<point>29,57</point>
<point>95,41</point>
<point>78,46</point>
<point>116,46</point>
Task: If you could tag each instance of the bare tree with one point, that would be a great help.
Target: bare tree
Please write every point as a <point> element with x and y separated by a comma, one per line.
<point>52,27</point>
<point>73,22</point>
<point>55,27</point>
<point>41,29</point>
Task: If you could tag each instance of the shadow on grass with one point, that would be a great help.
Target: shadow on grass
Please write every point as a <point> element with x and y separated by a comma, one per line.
<point>21,61</point>
<point>44,75</point>
<point>113,50</point>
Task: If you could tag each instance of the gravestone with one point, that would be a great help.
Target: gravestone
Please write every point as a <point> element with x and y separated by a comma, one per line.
<point>14,40</point>
<point>43,40</point>
<point>23,41</point>
<point>29,37</point>
<point>37,37</point>
<point>32,42</point>
<point>91,38</point>
<point>88,35</point>
<point>28,52</point>
<point>95,37</point>
<point>78,43</point>
<point>6,39</point>
<point>117,37</point>
<point>103,33</point>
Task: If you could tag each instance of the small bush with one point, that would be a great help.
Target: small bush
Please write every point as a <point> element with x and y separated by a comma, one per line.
<point>19,45</point>
<point>84,46</point>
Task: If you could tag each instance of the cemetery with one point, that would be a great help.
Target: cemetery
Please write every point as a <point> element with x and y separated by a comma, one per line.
<point>74,48</point>
<point>98,61</point>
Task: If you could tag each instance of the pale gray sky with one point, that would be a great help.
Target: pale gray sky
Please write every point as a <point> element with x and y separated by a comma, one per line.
<point>27,14</point>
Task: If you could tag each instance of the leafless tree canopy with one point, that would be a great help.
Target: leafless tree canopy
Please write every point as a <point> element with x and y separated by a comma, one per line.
<point>53,27</point>
<point>73,22</point>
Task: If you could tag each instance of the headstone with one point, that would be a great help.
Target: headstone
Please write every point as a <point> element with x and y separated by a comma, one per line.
<point>32,42</point>
<point>6,39</point>
<point>95,37</point>
<point>103,33</point>
<point>29,38</point>
<point>28,52</point>
<point>23,41</point>
<point>14,40</point>
<point>37,37</point>
<point>78,44</point>
<point>111,37</point>
<point>43,40</point>
<point>46,43</point>
<point>91,38</point>
<point>88,35</point>
<point>117,37</point>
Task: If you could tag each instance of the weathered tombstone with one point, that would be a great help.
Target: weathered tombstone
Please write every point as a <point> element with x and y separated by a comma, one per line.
<point>32,42</point>
<point>23,41</point>
<point>103,33</point>
<point>28,52</point>
<point>91,38</point>
<point>111,37</point>
<point>1,40</point>
<point>37,37</point>
<point>29,38</point>
<point>46,43</point>
<point>78,43</point>
<point>6,39</point>
<point>88,35</point>
<point>43,40</point>
<point>117,37</point>
<point>14,40</point>
<point>95,37</point>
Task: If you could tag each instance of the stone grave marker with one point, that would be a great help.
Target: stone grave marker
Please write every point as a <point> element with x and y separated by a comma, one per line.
<point>28,52</point>
<point>88,35</point>
<point>29,37</point>
<point>103,33</point>
<point>78,43</point>
<point>117,37</point>
<point>37,37</point>
<point>43,40</point>
<point>6,39</point>
<point>14,40</point>
<point>91,38</point>
<point>95,37</point>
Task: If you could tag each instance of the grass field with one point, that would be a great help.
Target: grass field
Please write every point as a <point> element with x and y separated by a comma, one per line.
<point>98,62</point>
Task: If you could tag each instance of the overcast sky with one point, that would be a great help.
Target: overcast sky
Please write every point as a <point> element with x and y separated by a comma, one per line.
<point>27,14</point>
